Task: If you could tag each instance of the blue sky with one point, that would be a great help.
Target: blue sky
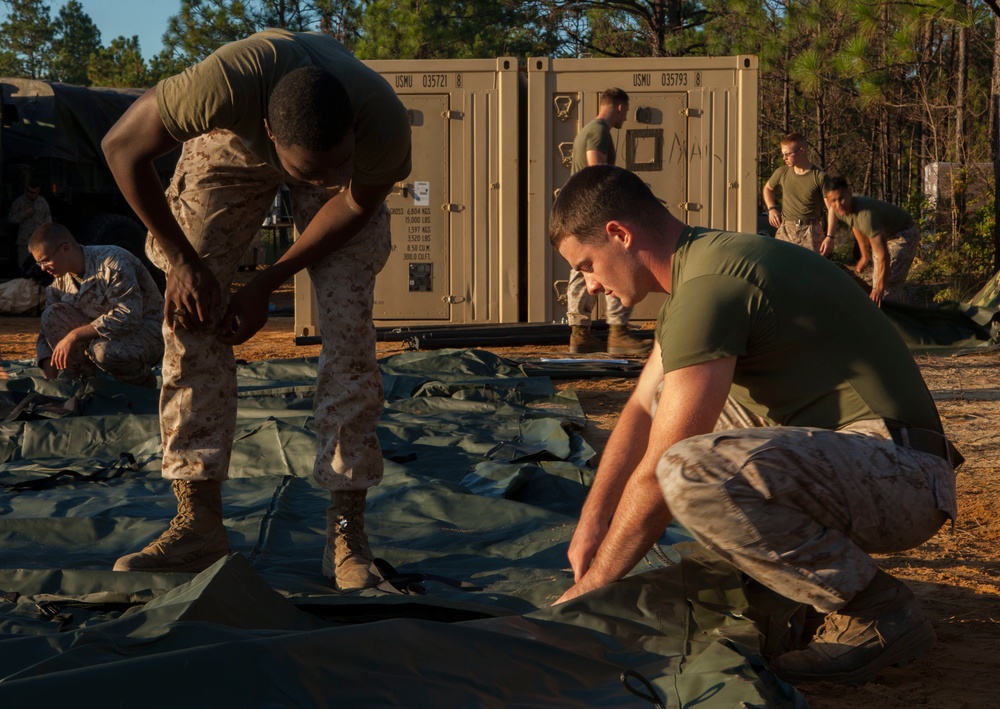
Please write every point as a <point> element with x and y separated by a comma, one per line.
<point>145,18</point>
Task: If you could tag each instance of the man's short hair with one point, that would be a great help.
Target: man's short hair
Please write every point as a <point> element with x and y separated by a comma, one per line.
<point>835,183</point>
<point>310,108</point>
<point>596,195</point>
<point>793,139</point>
<point>51,234</point>
<point>614,96</point>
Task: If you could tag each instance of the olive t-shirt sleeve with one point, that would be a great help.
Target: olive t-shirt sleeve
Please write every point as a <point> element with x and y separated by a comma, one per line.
<point>198,100</point>
<point>775,182</point>
<point>711,317</point>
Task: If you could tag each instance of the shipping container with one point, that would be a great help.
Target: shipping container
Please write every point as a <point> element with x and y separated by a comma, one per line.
<point>457,218</point>
<point>492,145</point>
<point>691,135</point>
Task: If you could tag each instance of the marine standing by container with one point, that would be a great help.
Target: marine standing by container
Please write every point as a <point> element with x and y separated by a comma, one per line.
<point>594,145</point>
<point>276,108</point>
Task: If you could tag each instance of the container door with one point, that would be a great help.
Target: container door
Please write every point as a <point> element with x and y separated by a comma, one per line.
<point>414,282</point>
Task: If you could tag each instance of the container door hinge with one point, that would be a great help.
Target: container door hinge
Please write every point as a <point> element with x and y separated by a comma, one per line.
<point>690,206</point>
<point>453,207</point>
<point>453,299</point>
<point>453,115</point>
<point>692,112</point>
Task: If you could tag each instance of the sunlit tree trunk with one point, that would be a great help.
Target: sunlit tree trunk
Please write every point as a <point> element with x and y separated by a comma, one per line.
<point>995,140</point>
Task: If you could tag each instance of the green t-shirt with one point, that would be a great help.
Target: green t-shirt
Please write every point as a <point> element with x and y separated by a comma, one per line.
<point>872,216</point>
<point>801,195</point>
<point>596,135</point>
<point>230,90</point>
<point>811,348</point>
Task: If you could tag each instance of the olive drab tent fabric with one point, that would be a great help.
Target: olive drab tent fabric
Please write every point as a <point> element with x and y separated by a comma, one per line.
<point>485,475</point>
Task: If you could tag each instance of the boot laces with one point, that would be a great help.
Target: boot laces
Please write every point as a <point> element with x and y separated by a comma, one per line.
<point>352,536</point>
<point>181,523</point>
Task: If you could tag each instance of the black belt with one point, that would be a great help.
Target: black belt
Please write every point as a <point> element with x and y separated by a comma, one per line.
<point>803,222</point>
<point>926,441</point>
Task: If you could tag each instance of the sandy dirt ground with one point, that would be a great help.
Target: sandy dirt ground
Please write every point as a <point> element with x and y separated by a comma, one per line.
<point>956,575</point>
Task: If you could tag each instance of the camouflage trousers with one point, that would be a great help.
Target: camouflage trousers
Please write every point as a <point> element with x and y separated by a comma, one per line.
<point>220,195</point>
<point>809,235</point>
<point>580,304</point>
<point>801,509</point>
<point>902,248</point>
<point>128,358</point>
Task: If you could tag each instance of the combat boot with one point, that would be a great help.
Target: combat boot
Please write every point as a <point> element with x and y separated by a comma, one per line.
<point>582,341</point>
<point>621,342</point>
<point>881,626</point>
<point>196,538</point>
<point>347,559</point>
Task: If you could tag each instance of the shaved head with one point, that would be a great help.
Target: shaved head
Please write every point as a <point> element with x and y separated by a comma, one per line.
<point>50,236</point>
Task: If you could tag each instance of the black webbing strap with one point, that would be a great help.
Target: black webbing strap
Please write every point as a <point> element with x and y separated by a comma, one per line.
<point>124,464</point>
<point>926,441</point>
<point>409,584</point>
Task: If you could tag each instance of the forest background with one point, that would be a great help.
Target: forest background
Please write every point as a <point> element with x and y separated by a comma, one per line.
<point>895,96</point>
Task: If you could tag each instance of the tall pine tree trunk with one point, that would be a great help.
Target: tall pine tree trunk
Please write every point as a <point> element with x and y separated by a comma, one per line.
<point>958,170</point>
<point>995,140</point>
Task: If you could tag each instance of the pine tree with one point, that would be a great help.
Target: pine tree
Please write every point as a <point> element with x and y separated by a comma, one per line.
<point>76,38</point>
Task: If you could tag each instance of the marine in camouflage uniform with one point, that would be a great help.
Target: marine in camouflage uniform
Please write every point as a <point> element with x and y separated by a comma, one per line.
<point>103,306</point>
<point>780,439</point>
<point>29,211</point>
<point>276,108</point>
<point>219,195</point>
<point>884,231</point>
<point>801,216</point>
<point>594,145</point>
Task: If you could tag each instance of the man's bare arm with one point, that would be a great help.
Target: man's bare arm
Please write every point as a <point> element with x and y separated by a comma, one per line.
<point>690,405</point>
<point>622,453</point>
<point>826,249</point>
<point>881,250</point>
<point>336,223</point>
<point>771,202</point>
<point>865,247</point>
<point>596,157</point>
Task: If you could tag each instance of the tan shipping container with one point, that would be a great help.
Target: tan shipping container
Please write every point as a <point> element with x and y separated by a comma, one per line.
<point>691,135</point>
<point>492,145</point>
<point>457,218</point>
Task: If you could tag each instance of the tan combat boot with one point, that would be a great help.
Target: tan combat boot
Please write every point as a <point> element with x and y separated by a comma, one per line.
<point>347,559</point>
<point>196,538</point>
<point>620,342</point>
<point>582,341</point>
<point>881,626</point>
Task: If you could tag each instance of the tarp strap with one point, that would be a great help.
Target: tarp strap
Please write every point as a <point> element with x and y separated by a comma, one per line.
<point>647,691</point>
<point>125,463</point>
<point>409,584</point>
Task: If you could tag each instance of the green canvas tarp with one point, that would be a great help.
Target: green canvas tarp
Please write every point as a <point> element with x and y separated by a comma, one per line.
<point>485,476</point>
